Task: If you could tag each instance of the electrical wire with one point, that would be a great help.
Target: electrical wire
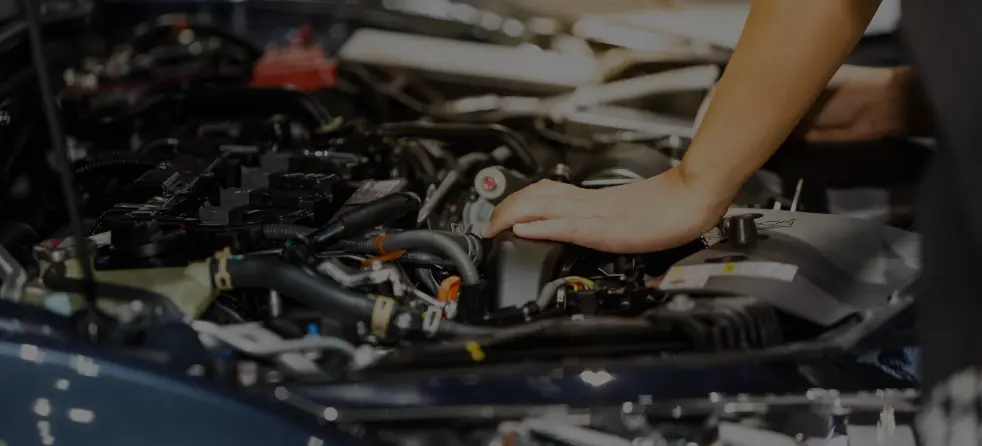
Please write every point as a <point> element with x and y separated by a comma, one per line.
<point>548,293</point>
<point>32,13</point>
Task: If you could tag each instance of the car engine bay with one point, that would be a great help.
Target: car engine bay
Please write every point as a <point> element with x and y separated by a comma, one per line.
<point>299,241</point>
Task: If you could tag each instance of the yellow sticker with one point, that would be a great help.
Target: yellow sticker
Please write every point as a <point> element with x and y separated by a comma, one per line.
<point>477,354</point>
<point>729,268</point>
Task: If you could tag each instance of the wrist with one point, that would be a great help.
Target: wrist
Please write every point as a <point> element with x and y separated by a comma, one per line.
<point>709,190</point>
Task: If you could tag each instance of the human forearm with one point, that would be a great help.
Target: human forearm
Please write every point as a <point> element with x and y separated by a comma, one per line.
<point>788,53</point>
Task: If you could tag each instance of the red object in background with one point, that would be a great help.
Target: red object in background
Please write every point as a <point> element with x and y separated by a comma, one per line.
<point>302,65</point>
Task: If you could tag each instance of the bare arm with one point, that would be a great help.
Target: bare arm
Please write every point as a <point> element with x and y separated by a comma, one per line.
<point>788,53</point>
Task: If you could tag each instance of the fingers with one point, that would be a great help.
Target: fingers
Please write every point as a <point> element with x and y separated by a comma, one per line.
<point>567,230</point>
<point>587,232</point>
<point>593,232</point>
<point>542,200</point>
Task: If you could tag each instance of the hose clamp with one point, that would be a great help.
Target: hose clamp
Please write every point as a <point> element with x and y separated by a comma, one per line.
<point>382,314</point>
<point>222,279</point>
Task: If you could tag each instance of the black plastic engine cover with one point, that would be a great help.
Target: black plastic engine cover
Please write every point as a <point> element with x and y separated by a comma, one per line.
<point>821,268</point>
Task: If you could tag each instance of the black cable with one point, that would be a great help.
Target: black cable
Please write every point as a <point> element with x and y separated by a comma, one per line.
<point>363,218</point>
<point>32,14</point>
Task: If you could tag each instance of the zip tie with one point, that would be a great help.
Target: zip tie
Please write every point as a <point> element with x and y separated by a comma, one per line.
<point>223,280</point>
<point>385,307</point>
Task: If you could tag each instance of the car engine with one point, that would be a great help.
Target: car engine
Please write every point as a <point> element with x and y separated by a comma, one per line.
<point>271,236</point>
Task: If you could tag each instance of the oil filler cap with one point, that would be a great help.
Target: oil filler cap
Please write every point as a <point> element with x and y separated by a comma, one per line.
<point>495,183</point>
<point>742,231</point>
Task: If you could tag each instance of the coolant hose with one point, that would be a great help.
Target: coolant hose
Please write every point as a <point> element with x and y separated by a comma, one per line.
<point>298,282</point>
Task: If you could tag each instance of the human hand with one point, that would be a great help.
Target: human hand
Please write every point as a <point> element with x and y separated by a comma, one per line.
<point>865,104</point>
<point>651,215</point>
<point>860,104</point>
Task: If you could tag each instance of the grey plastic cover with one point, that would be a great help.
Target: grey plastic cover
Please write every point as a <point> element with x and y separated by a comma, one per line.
<point>841,265</point>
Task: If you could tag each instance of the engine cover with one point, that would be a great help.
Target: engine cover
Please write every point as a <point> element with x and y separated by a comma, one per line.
<point>821,268</point>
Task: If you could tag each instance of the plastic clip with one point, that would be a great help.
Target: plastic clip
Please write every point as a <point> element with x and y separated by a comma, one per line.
<point>382,314</point>
<point>222,279</point>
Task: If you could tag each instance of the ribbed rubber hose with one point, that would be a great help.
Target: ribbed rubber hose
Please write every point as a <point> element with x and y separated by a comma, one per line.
<point>284,231</point>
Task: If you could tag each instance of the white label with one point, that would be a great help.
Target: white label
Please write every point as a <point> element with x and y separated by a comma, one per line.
<point>685,277</point>
<point>696,276</point>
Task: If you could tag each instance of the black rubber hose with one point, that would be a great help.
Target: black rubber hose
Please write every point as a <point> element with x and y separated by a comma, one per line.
<point>284,231</point>
<point>511,139</point>
<point>367,245</point>
<point>453,329</point>
<point>364,218</point>
<point>299,282</point>
<point>439,243</point>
